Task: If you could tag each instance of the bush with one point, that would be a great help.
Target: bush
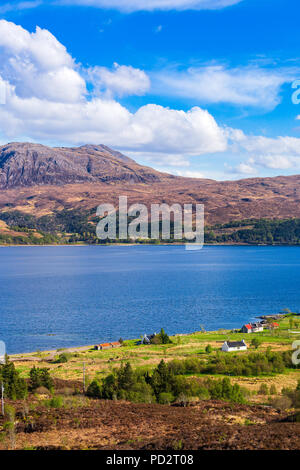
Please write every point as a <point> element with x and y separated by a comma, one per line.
<point>63,358</point>
<point>263,389</point>
<point>282,403</point>
<point>165,398</point>
<point>55,402</point>
<point>94,390</point>
<point>256,342</point>
<point>40,377</point>
<point>208,349</point>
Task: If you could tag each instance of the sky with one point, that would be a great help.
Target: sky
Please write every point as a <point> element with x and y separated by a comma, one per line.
<point>198,88</point>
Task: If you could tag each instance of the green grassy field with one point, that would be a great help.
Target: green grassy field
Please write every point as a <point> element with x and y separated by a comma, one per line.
<point>146,357</point>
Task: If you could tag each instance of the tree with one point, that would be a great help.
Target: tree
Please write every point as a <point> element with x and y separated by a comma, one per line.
<point>40,377</point>
<point>208,349</point>
<point>94,390</point>
<point>256,342</point>
<point>15,387</point>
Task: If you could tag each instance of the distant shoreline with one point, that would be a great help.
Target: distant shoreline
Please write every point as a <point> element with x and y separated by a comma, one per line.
<point>147,244</point>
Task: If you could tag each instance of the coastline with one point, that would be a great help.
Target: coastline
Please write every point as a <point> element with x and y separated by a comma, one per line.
<point>148,244</point>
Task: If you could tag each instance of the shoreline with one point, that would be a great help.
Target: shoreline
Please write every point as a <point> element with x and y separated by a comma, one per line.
<point>146,244</point>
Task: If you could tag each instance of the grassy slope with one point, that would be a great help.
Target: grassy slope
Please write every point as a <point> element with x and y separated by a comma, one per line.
<point>100,363</point>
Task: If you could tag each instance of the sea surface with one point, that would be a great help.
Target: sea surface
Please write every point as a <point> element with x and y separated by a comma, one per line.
<point>53,297</point>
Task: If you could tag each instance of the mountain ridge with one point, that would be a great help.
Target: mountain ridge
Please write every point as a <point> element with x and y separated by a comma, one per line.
<point>24,164</point>
<point>39,180</point>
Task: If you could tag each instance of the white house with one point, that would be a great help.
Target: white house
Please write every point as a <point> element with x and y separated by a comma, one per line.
<point>230,346</point>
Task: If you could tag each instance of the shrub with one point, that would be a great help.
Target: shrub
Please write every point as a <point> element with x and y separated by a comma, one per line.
<point>55,402</point>
<point>165,398</point>
<point>256,342</point>
<point>94,390</point>
<point>208,349</point>
<point>263,389</point>
<point>282,403</point>
<point>63,357</point>
<point>40,377</point>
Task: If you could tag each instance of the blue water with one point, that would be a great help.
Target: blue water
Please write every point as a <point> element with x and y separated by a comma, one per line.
<point>68,296</point>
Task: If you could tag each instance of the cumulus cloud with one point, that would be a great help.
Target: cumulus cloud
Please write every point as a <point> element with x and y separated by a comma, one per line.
<point>245,169</point>
<point>37,65</point>
<point>249,86</point>
<point>280,153</point>
<point>120,81</point>
<point>47,100</point>
<point>150,5</point>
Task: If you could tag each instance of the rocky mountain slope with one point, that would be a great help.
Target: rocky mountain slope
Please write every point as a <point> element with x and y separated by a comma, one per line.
<point>39,180</point>
<point>24,164</point>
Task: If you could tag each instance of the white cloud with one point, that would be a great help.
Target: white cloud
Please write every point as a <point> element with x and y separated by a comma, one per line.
<point>25,5</point>
<point>245,169</point>
<point>46,100</point>
<point>150,5</point>
<point>122,80</point>
<point>37,65</point>
<point>190,174</point>
<point>249,86</point>
<point>280,153</point>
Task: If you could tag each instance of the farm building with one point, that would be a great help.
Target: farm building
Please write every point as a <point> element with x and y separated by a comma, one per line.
<point>246,328</point>
<point>230,346</point>
<point>252,328</point>
<point>103,346</point>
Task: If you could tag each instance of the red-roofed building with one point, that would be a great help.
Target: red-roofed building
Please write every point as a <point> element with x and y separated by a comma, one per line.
<point>102,346</point>
<point>247,329</point>
<point>116,344</point>
<point>252,328</point>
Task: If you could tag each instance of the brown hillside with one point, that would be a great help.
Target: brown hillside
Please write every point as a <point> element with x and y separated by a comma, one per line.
<point>39,180</point>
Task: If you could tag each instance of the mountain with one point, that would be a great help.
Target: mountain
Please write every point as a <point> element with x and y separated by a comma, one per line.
<point>39,180</point>
<point>24,164</point>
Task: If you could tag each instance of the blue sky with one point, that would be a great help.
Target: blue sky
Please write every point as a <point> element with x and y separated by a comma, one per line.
<point>192,87</point>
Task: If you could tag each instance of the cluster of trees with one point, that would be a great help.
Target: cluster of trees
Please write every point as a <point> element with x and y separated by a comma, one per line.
<point>16,388</point>
<point>52,228</point>
<point>161,338</point>
<point>262,231</point>
<point>163,386</point>
<point>40,377</point>
<point>253,364</point>
<point>81,224</point>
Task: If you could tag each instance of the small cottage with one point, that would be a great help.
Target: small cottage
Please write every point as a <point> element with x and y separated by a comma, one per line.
<point>252,328</point>
<point>230,346</point>
<point>103,346</point>
<point>246,328</point>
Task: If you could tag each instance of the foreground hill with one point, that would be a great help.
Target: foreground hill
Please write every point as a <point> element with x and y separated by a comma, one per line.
<point>39,181</point>
<point>105,425</point>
